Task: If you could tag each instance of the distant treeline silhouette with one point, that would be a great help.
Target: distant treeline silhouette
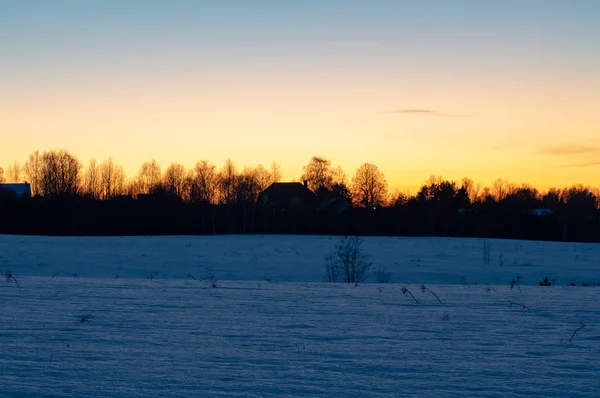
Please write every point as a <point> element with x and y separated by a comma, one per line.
<point>101,200</point>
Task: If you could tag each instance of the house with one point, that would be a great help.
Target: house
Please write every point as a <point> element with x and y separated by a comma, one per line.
<point>21,190</point>
<point>331,202</point>
<point>287,194</point>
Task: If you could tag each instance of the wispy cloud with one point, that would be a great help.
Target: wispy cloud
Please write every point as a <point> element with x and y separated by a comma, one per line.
<point>587,164</point>
<point>424,112</point>
<point>570,149</point>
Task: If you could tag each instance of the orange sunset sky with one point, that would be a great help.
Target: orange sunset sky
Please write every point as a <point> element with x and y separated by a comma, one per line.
<point>492,89</point>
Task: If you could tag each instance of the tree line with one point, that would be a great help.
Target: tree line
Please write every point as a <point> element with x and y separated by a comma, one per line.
<point>227,199</point>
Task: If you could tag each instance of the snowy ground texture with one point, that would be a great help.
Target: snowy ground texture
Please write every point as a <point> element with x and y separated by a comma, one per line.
<point>132,317</point>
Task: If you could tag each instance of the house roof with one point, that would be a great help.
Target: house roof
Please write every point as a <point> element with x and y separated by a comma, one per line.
<point>285,191</point>
<point>23,189</point>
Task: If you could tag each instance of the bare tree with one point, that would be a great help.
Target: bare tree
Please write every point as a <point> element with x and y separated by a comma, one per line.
<point>91,181</point>
<point>263,177</point>
<point>149,177</point>
<point>60,173</point>
<point>473,189</point>
<point>247,188</point>
<point>500,189</point>
<point>228,182</point>
<point>339,176</point>
<point>318,173</point>
<point>369,187</point>
<point>349,262</point>
<point>112,179</point>
<point>33,173</point>
<point>275,172</point>
<point>174,180</point>
<point>205,183</point>
<point>14,173</point>
<point>1,175</point>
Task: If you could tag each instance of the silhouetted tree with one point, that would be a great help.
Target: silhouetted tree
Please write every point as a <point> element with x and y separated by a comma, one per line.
<point>369,187</point>
<point>112,179</point>
<point>1,175</point>
<point>399,199</point>
<point>60,173</point>
<point>174,180</point>
<point>149,177</point>
<point>14,173</point>
<point>33,173</point>
<point>205,183</point>
<point>91,181</point>
<point>275,172</point>
<point>472,189</point>
<point>522,198</point>
<point>318,173</point>
<point>247,188</point>
<point>263,177</point>
<point>228,182</point>
<point>499,189</point>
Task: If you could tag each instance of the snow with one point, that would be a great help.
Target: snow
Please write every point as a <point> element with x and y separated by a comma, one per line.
<point>153,331</point>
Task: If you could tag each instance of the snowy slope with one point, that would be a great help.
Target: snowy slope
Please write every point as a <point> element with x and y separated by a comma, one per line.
<point>154,331</point>
<point>298,258</point>
<point>181,338</point>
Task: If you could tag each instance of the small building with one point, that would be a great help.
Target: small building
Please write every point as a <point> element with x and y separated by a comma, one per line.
<point>18,191</point>
<point>287,194</point>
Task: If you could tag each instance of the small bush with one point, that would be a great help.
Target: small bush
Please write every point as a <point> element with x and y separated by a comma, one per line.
<point>85,317</point>
<point>348,263</point>
<point>382,275</point>
<point>546,282</point>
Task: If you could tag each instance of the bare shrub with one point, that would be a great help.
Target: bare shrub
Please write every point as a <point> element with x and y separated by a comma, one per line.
<point>331,269</point>
<point>382,275</point>
<point>85,317</point>
<point>348,263</point>
<point>546,282</point>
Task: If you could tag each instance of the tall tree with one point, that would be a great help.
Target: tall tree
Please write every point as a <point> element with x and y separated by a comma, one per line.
<point>1,175</point>
<point>33,173</point>
<point>174,180</point>
<point>112,179</point>
<point>318,173</point>
<point>369,187</point>
<point>228,182</point>
<point>263,177</point>
<point>91,180</point>
<point>247,188</point>
<point>60,173</point>
<point>473,189</point>
<point>275,172</point>
<point>500,189</point>
<point>149,177</point>
<point>205,183</point>
<point>14,173</point>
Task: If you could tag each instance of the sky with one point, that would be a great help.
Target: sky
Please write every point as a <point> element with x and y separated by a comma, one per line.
<point>494,89</point>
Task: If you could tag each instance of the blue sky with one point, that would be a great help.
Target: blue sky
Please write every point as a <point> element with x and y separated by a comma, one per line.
<point>182,75</point>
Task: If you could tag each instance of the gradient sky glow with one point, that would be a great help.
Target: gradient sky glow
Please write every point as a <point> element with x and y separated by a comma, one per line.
<point>485,89</point>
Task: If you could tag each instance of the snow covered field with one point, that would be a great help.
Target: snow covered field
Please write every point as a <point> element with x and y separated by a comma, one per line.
<point>105,317</point>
